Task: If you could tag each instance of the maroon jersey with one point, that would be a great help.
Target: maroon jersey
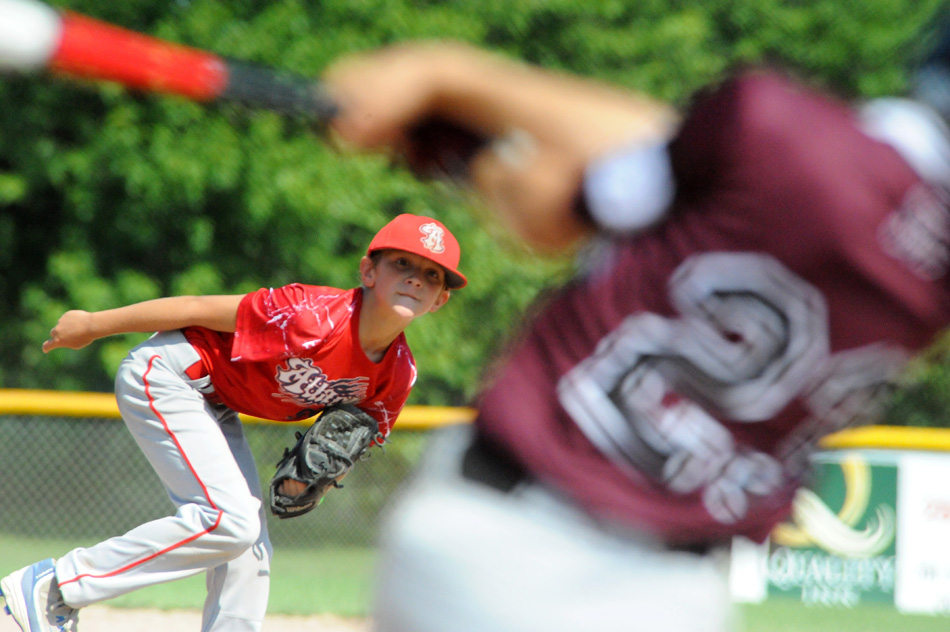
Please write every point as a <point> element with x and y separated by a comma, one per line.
<point>680,384</point>
<point>296,350</point>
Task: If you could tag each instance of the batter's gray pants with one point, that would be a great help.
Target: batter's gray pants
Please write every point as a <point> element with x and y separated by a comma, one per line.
<point>460,555</point>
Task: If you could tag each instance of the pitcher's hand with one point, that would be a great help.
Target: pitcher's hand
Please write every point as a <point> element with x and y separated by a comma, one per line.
<point>73,331</point>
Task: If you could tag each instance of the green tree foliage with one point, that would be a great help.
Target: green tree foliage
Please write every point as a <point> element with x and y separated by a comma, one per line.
<point>109,197</point>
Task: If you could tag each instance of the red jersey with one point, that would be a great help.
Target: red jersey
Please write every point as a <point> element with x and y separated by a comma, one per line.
<point>296,349</point>
<point>681,382</point>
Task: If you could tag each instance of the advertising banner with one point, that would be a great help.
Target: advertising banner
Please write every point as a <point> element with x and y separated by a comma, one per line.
<point>839,548</point>
<point>872,527</point>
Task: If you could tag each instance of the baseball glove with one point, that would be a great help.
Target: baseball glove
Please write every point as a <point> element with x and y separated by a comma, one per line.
<point>321,457</point>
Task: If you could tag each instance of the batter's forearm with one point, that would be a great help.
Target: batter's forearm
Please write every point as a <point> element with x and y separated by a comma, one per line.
<point>495,95</point>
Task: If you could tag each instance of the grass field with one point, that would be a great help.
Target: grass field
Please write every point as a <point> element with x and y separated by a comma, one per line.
<point>781,615</point>
<point>303,581</point>
<point>339,581</point>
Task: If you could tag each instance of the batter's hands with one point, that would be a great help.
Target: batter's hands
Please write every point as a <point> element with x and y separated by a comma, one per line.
<point>73,331</point>
<point>382,94</point>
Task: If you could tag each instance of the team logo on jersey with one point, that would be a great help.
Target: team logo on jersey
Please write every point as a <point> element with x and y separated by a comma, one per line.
<point>433,238</point>
<point>305,384</point>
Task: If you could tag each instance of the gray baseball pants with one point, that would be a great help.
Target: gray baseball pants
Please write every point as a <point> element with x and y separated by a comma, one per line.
<point>458,555</point>
<point>200,454</point>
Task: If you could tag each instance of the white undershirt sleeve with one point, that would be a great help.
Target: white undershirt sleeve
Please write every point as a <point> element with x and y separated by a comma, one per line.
<point>631,189</point>
<point>915,131</point>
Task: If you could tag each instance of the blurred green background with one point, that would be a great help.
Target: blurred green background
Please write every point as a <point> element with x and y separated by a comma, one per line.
<point>109,197</point>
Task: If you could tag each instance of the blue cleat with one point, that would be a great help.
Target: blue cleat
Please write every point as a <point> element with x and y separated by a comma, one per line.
<point>33,599</point>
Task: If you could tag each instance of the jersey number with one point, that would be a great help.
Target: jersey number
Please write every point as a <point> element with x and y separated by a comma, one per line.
<point>751,337</point>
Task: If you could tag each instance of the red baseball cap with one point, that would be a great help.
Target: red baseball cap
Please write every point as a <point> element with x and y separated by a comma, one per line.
<point>425,237</point>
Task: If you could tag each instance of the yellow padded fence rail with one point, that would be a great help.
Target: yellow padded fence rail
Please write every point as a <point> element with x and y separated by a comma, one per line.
<point>102,405</point>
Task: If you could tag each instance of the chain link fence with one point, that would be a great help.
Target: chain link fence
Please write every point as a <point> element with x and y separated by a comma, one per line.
<point>85,479</point>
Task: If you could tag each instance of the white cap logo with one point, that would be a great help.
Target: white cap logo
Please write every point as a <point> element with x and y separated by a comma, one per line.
<point>433,237</point>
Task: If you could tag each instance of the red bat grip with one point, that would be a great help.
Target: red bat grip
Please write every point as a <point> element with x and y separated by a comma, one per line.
<point>97,50</point>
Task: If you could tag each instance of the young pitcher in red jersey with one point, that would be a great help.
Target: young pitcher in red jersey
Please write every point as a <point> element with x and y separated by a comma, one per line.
<point>280,354</point>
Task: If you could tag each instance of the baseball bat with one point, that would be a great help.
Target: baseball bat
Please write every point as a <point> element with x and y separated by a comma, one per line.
<point>34,37</point>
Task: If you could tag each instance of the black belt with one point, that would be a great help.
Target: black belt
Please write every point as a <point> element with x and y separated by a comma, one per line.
<point>487,464</point>
<point>699,548</point>
<point>491,466</point>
